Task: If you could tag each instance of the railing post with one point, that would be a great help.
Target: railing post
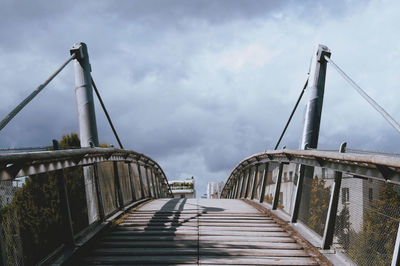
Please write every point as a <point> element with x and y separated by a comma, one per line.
<point>254,182</point>
<point>140,181</point>
<point>241,176</point>
<point>132,182</point>
<point>65,209</point>
<point>277,187</point>
<point>396,251</point>
<point>232,190</point>
<point>155,183</point>
<point>264,182</point>
<point>299,190</point>
<point>237,184</point>
<point>68,230</point>
<point>148,181</point>
<point>98,192</point>
<point>247,183</point>
<point>118,185</point>
<point>312,120</point>
<point>332,210</point>
<point>86,118</point>
<point>155,176</point>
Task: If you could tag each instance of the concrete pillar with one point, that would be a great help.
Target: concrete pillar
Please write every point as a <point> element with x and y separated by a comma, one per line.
<point>87,121</point>
<point>312,121</point>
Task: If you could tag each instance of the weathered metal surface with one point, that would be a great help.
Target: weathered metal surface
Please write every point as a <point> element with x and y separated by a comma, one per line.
<point>352,163</point>
<point>84,96</point>
<point>197,231</point>
<point>13,165</point>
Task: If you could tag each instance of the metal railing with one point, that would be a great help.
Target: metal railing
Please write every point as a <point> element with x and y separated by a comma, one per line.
<point>51,201</point>
<point>343,201</point>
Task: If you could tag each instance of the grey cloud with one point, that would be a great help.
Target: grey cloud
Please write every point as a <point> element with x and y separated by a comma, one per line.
<point>157,65</point>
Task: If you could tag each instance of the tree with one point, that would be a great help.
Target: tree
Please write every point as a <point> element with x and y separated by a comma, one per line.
<point>70,140</point>
<point>35,211</point>
<point>374,244</point>
<point>342,228</point>
<point>319,203</point>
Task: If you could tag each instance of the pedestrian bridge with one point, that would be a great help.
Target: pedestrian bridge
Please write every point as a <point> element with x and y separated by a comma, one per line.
<point>110,206</point>
<point>197,231</point>
<point>85,205</point>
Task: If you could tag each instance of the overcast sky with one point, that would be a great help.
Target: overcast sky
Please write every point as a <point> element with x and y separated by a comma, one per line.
<point>200,85</point>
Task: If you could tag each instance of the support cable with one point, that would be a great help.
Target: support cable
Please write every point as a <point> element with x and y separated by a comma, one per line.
<point>20,106</point>
<point>106,113</point>
<point>371,101</point>
<point>291,115</point>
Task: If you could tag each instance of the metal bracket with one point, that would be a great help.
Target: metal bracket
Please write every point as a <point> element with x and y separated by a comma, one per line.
<point>78,159</point>
<point>320,161</point>
<point>288,156</point>
<point>77,50</point>
<point>13,169</point>
<point>108,155</point>
<point>386,172</point>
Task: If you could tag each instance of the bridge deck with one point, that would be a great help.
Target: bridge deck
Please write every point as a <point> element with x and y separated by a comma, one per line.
<point>197,231</point>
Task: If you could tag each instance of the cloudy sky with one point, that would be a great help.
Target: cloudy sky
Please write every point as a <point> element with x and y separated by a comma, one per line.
<point>199,85</point>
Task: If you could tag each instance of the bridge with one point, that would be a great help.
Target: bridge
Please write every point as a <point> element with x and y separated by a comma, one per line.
<point>85,205</point>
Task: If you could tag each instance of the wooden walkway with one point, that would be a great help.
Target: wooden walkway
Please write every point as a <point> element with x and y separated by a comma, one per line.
<point>197,231</point>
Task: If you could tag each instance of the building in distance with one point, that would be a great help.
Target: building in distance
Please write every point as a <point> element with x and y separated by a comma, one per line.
<point>214,190</point>
<point>183,188</point>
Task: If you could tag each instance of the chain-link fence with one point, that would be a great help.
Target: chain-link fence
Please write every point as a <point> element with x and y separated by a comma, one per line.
<point>42,212</point>
<point>367,220</point>
<point>287,187</point>
<point>10,240</point>
<point>315,197</point>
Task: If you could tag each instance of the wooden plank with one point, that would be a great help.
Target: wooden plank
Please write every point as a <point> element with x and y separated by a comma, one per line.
<point>245,239</point>
<point>256,261</point>
<point>185,251</point>
<point>153,260</point>
<point>251,245</point>
<point>197,232</point>
<point>202,244</point>
<point>150,244</point>
<point>189,236</point>
<point>253,252</point>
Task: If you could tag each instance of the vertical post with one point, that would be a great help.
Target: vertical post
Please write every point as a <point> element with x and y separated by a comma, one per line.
<point>148,181</point>
<point>247,183</point>
<point>84,96</point>
<point>86,119</point>
<point>264,182</point>
<point>396,251</point>
<point>236,187</point>
<point>98,192</point>
<point>316,84</point>
<point>65,209</point>
<point>254,182</point>
<point>277,187</point>
<point>232,190</point>
<point>242,185</point>
<point>68,231</point>
<point>118,185</point>
<point>299,190</point>
<point>132,182</point>
<point>154,183</point>
<point>312,121</point>
<point>159,185</point>
<point>332,210</point>
<point>143,195</point>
